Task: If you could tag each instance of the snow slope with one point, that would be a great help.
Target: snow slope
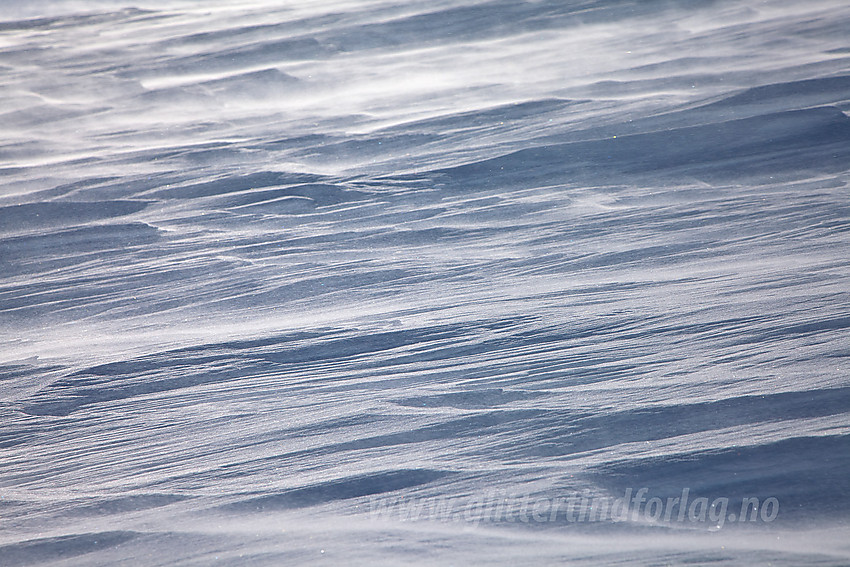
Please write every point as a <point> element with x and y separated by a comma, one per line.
<point>373,282</point>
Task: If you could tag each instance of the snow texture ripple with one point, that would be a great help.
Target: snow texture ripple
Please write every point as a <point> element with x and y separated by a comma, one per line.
<point>371,282</point>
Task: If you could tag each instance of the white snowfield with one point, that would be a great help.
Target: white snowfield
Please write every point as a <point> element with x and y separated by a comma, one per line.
<point>464,282</point>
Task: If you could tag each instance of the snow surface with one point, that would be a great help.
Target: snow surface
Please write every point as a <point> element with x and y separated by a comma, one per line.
<point>274,274</point>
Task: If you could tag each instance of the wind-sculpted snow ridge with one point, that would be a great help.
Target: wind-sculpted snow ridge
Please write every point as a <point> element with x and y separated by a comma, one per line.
<point>456,282</point>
